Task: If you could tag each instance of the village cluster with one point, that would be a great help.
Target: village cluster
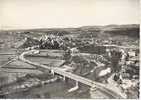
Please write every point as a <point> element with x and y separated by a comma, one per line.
<point>122,61</point>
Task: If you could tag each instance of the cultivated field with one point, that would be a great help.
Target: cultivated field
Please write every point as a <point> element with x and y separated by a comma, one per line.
<point>91,42</point>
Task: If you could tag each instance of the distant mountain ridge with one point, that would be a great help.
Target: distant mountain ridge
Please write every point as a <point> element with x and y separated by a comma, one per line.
<point>127,29</point>
<point>83,27</point>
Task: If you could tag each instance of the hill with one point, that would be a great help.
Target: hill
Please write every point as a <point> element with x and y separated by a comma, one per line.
<point>127,34</point>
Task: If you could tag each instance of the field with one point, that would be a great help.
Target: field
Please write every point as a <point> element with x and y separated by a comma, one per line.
<point>90,40</point>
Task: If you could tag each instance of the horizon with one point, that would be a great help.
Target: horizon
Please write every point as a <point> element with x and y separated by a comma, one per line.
<point>66,27</point>
<point>29,14</point>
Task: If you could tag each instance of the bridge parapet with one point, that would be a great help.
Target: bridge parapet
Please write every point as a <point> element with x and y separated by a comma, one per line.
<point>72,76</point>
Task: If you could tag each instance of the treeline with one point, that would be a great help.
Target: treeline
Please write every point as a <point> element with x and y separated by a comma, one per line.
<point>131,32</point>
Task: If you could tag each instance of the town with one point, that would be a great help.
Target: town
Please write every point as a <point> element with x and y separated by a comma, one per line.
<point>84,62</point>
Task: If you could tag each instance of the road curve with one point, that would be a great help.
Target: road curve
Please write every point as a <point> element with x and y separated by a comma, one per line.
<point>75,77</point>
<point>117,46</point>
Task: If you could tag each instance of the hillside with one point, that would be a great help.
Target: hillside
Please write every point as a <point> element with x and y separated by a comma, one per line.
<point>127,34</point>
<point>112,29</point>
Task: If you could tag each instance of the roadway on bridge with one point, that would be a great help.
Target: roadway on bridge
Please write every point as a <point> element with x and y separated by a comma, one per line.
<point>72,76</point>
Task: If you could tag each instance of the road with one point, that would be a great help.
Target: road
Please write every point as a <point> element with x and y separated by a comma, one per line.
<point>124,47</point>
<point>75,77</point>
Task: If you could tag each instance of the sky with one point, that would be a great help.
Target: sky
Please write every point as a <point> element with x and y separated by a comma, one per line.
<point>23,14</point>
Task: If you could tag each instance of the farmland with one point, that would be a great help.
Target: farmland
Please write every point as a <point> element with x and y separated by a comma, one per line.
<point>52,45</point>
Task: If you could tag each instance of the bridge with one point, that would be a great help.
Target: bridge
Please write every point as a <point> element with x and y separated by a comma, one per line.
<point>72,76</point>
